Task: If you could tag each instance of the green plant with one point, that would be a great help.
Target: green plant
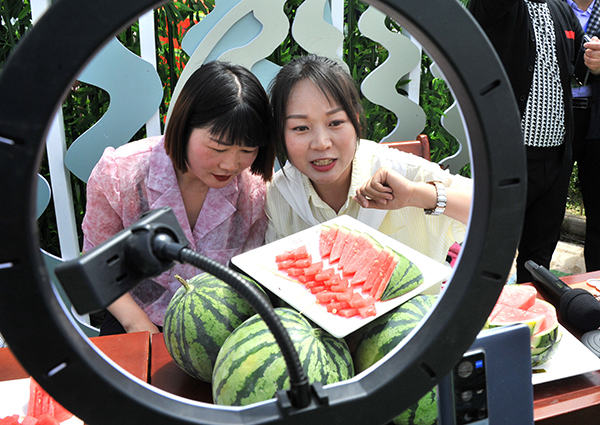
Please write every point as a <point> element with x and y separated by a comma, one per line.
<point>15,20</point>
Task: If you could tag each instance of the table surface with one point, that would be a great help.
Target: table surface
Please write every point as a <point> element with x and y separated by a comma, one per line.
<point>573,400</point>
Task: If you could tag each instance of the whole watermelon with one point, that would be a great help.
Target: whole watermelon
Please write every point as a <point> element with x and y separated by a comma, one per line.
<point>198,320</point>
<point>381,336</point>
<point>250,367</point>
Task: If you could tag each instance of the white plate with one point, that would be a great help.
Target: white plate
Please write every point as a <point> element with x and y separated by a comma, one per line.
<point>260,264</point>
<point>14,399</point>
<point>571,358</point>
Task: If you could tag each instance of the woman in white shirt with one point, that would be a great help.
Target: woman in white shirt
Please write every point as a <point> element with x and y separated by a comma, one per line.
<point>330,171</point>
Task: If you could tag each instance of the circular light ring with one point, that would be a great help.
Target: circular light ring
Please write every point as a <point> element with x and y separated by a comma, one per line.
<point>34,82</point>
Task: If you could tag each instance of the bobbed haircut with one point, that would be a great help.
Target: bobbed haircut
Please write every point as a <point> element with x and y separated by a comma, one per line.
<point>231,103</point>
<point>329,76</point>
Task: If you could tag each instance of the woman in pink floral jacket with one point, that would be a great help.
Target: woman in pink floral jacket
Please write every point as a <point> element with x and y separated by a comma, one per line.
<point>210,168</point>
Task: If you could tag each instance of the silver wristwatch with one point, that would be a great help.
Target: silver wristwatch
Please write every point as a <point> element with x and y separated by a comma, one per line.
<point>440,206</point>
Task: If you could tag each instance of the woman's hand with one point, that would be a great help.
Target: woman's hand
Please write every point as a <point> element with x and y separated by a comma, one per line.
<point>389,190</point>
<point>386,190</point>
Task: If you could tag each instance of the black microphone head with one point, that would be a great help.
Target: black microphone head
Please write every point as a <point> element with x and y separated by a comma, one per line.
<point>581,309</point>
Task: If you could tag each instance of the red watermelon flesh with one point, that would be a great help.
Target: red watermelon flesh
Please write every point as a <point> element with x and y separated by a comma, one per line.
<point>376,270</point>
<point>377,290</point>
<point>539,315</point>
<point>365,266</point>
<point>323,239</point>
<point>338,244</point>
<point>41,403</point>
<point>549,313</point>
<point>366,253</point>
<point>328,240</point>
<point>518,296</point>
<point>347,262</point>
<point>349,248</point>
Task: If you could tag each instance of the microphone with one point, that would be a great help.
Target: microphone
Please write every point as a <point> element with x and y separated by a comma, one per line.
<point>576,306</point>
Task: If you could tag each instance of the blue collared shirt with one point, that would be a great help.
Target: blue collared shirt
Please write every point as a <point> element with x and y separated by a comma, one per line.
<point>584,18</point>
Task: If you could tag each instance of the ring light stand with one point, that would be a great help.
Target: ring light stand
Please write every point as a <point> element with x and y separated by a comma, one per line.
<point>32,86</point>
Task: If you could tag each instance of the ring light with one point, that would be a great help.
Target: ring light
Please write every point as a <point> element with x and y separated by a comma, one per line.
<point>32,86</point>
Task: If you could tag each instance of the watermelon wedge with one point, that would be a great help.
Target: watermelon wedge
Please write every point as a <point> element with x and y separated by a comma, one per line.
<point>366,253</point>
<point>338,244</point>
<point>405,277</point>
<point>41,403</point>
<point>349,248</point>
<point>376,270</point>
<point>538,314</point>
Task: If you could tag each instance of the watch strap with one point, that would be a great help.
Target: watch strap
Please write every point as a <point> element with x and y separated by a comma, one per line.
<point>441,201</point>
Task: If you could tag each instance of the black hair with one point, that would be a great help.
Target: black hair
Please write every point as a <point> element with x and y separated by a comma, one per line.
<point>329,76</point>
<point>230,101</point>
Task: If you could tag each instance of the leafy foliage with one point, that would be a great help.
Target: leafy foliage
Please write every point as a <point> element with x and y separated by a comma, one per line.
<point>85,104</point>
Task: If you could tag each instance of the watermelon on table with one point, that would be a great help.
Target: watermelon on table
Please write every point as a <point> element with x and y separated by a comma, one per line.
<point>250,367</point>
<point>198,320</point>
<point>518,296</point>
<point>382,335</point>
<point>539,316</point>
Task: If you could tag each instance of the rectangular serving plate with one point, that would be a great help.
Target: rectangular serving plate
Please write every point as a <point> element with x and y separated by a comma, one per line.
<point>260,265</point>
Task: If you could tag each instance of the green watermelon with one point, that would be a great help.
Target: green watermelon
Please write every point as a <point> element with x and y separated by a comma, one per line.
<point>382,335</point>
<point>198,320</point>
<point>423,412</point>
<point>250,367</point>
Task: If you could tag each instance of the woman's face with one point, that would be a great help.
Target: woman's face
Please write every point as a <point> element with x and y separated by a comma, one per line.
<point>320,138</point>
<point>216,164</point>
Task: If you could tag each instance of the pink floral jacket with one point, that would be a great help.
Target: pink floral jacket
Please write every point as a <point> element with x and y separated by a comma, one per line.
<point>138,177</point>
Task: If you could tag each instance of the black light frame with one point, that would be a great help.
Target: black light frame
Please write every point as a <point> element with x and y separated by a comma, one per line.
<point>32,86</point>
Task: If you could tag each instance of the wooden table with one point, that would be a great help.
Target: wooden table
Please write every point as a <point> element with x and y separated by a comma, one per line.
<point>130,351</point>
<point>574,400</point>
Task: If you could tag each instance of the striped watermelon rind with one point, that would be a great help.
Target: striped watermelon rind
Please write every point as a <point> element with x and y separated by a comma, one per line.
<point>541,355</point>
<point>382,335</point>
<point>198,320</point>
<point>405,278</point>
<point>250,367</point>
<point>423,412</point>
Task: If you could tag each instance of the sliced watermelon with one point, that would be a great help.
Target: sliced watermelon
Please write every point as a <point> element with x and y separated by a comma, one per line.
<point>349,248</point>
<point>369,260</point>
<point>518,296</point>
<point>10,420</point>
<point>338,244</point>
<point>367,311</point>
<point>348,312</point>
<point>327,240</point>
<point>41,403</point>
<point>323,239</point>
<point>382,284</point>
<point>376,270</point>
<point>539,316</point>
<point>406,276</point>
<point>367,252</point>
<point>313,269</point>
